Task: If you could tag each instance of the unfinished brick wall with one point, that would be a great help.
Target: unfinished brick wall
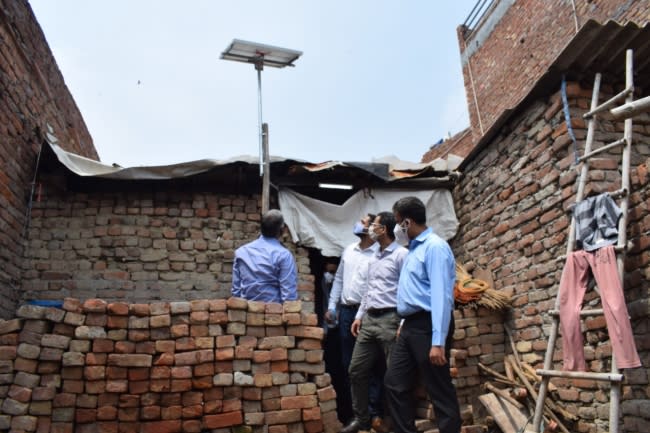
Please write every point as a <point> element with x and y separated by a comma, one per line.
<point>511,204</point>
<point>196,366</point>
<point>163,244</point>
<point>460,145</point>
<point>522,46</point>
<point>32,95</point>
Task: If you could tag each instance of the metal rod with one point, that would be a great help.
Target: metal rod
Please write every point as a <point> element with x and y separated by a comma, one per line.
<point>266,178</point>
<point>28,217</point>
<point>259,115</point>
<point>575,15</point>
<point>613,377</point>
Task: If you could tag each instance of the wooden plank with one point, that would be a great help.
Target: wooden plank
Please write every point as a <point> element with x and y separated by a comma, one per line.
<point>507,416</point>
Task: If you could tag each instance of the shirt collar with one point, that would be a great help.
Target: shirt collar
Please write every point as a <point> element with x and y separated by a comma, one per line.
<point>422,236</point>
<point>389,249</point>
<point>269,239</point>
<point>371,247</point>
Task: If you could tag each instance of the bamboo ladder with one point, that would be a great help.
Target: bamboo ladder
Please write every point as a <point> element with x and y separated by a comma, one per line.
<point>614,376</point>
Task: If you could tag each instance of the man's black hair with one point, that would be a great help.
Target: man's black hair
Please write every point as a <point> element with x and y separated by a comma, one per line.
<point>272,224</point>
<point>387,219</point>
<point>412,208</point>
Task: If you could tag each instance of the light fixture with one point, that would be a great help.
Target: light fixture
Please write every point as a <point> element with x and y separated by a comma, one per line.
<point>334,186</point>
<point>261,55</point>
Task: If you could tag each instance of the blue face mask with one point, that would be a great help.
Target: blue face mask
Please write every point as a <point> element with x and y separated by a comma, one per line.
<point>359,229</point>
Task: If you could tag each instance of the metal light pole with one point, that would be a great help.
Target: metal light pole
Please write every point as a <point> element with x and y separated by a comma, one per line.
<point>261,55</point>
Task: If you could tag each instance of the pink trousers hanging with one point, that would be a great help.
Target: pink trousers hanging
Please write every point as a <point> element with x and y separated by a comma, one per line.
<point>573,286</point>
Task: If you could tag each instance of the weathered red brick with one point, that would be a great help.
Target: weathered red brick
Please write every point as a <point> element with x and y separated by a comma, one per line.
<point>168,426</point>
<point>222,420</point>
<point>298,402</point>
<point>282,416</point>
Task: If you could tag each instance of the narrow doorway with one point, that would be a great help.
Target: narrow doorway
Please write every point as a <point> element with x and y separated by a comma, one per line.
<point>319,264</point>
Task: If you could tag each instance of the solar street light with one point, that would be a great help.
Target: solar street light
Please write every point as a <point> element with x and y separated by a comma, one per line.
<point>261,55</point>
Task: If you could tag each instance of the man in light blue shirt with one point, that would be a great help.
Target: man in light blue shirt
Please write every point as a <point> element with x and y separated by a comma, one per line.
<point>264,270</point>
<point>425,300</point>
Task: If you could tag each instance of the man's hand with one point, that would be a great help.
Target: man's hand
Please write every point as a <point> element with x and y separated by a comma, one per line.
<point>437,356</point>
<point>399,329</point>
<point>330,317</point>
<point>356,325</point>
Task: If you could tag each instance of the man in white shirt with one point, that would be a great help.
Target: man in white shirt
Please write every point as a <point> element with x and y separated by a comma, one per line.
<point>345,298</point>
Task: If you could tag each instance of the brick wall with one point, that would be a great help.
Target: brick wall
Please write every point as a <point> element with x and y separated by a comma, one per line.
<point>479,337</point>
<point>521,47</point>
<point>204,365</point>
<point>161,244</point>
<point>32,95</point>
<point>460,145</point>
<point>511,204</point>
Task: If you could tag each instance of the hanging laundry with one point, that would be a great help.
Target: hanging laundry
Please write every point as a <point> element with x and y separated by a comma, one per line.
<point>573,286</point>
<point>596,222</point>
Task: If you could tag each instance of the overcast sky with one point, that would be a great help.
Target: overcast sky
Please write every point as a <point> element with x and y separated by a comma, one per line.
<point>377,77</point>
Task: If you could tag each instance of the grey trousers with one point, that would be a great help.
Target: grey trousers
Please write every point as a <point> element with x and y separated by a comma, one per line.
<point>375,340</point>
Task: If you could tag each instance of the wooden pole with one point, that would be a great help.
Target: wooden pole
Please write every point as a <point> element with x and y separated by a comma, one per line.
<point>631,109</point>
<point>266,177</point>
<point>504,394</point>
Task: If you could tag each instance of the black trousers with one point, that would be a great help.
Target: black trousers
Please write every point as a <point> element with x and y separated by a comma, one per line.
<point>411,352</point>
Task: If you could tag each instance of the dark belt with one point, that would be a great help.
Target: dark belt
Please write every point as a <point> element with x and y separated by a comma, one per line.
<point>418,315</point>
<point>350,306</point>
<point>376,312</point>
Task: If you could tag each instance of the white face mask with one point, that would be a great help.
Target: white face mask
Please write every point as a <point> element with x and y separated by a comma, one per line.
<point>371,232</point>
<point>400,235</point>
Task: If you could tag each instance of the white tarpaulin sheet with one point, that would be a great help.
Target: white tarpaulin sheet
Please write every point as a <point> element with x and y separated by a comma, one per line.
<point>328,227</point>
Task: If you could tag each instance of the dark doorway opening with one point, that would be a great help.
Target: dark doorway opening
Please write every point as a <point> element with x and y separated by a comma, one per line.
<point>331,343</point>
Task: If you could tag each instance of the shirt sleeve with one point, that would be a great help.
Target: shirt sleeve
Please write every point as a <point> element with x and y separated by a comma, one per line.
<point>337,286</point>
<point>236,279</point>
<point>288,277</point>
<point>441,271</point>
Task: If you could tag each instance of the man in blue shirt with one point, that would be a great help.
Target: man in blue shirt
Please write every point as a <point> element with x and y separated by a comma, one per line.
<point>425,300</point>
<point>264,270</point>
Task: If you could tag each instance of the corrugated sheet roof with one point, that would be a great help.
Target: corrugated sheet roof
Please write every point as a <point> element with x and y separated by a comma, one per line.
<point>601,48</point>
<point>284,171</point>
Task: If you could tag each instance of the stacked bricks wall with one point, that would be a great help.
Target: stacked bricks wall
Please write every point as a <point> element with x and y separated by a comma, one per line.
<point>479,337</point>
<point>512,204</point>
<point>138,247</point>
<point>523,44</point>
<point>32,95</point>
<point>186,366</point>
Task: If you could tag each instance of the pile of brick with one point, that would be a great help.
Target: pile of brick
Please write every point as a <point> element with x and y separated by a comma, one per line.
<point>207,365</point>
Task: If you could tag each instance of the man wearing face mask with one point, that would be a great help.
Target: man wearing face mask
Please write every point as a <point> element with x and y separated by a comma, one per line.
<point>425,300</point>
<point>376,322</point>
<point>345,297</point>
